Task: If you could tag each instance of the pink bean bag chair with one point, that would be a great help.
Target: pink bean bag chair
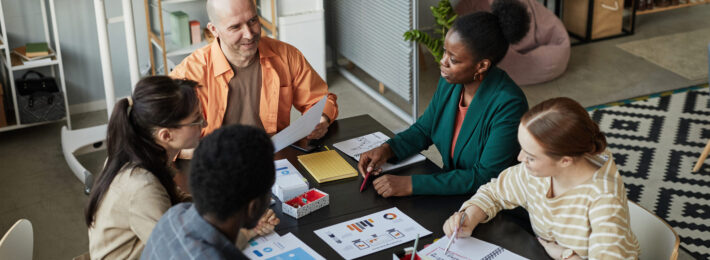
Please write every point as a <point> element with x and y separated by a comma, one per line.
<point>542,54</point>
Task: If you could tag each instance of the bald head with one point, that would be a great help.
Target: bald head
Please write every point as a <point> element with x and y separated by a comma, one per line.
<point>235,25</point>
<point>218,9</point>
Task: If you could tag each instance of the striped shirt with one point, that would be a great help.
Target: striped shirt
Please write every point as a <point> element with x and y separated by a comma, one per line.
<point>592,218</point>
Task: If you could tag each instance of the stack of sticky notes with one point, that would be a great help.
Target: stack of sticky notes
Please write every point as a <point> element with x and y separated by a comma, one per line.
<point>327,166</point>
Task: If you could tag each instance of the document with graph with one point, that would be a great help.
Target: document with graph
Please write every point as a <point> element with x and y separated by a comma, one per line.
<point>467,248</point>
<point>358,145</point>
<point>372,233</point>
<point>275,247</point>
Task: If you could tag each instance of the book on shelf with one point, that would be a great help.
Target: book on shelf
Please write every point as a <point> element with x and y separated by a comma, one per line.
<point>22,53</point>
<point>180,29</point>
<point>36,49</point>
<point>37,61</point>
<point>195,32</point>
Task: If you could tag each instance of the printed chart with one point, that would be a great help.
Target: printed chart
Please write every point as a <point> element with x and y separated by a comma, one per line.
<point>468,248</point>
<point>356,146</point>
<point>371,233</point>
<point>275,247</point>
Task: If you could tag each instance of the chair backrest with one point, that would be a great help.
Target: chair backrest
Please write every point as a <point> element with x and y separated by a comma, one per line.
<point>18,241</point>
<point>656,238</point>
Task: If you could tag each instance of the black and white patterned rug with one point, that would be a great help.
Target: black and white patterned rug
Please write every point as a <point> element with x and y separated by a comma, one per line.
<point>656,141</point>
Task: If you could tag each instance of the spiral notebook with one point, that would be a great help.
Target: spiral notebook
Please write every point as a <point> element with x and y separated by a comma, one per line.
<point>467,248</point>
<point>327,166</point>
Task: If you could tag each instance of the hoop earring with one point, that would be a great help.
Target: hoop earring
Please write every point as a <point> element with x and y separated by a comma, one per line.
<point>476,76</point>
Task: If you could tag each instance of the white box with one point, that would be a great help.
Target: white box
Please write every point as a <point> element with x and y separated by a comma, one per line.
<point>289,182</point>
<point>315,199</point>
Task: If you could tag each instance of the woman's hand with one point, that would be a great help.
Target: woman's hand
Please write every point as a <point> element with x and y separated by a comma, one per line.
<point>554,250</point>
<point>393,185</point>
<point>372,160</point>
<point>473,216</point>
<point>453,222</point>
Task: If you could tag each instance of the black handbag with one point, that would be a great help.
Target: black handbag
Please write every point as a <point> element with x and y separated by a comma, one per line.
<point>39,98</point>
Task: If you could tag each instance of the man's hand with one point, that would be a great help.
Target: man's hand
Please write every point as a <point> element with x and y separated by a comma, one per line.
<point>393,185</point>
<point>266,225</point>
<point>321,128</point>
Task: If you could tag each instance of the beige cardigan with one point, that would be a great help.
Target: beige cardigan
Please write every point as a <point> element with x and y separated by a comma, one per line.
<point>126,215</point>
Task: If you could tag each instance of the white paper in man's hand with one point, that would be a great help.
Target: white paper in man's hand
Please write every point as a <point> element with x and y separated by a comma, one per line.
<point>301,128</point>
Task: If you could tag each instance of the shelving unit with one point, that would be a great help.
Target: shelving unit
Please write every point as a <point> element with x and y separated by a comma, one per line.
<point>11,64</point>
<point>156,38</point>
<point>671,7</point>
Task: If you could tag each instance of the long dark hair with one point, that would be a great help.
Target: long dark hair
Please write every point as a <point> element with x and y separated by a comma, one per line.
<point>158,101</point>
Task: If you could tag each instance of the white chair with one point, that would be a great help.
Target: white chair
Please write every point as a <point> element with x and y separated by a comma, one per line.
<point>18,241</point>
<point>656,238</point>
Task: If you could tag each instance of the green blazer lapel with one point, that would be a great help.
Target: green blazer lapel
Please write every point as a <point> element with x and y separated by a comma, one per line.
<point>446,124</point>
<point>484,97</point>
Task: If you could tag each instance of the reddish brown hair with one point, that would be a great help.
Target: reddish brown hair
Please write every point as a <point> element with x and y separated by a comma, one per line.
<point>563,128</point>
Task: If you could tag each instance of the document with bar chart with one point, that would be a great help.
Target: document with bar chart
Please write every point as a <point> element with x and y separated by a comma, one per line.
<point>371,233</point>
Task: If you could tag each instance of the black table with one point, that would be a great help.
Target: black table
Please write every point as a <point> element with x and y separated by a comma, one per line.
<point>346,203</point>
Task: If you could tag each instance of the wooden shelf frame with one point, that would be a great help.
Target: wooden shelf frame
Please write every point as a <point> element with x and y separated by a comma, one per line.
<point>671,7</point>
<point>9,65</point>
<point>271,26</point>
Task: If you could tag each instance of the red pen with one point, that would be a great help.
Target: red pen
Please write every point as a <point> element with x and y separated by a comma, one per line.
<point>364,182</point>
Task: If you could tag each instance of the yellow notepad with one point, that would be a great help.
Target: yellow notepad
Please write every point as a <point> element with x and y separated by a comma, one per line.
<point>327,166</point>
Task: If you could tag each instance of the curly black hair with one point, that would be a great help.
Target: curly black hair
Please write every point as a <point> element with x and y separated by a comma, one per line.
<point>488,35</point>
<point>231,167</point>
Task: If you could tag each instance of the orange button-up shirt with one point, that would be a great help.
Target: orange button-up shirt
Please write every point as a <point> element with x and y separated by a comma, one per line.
<point>286,80</point>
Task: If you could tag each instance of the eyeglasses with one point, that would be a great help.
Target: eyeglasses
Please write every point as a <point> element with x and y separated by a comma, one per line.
<point>201,123</point>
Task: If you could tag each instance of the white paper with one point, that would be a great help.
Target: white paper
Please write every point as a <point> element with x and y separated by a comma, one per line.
<point>356,146</point>
<point>301,128</point>
<point>465,249</point>
<point>289,182</point>
<point>275,247</point>
<point>371,233</point>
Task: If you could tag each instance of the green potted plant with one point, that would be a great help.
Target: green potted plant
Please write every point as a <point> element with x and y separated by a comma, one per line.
<point>445,16</point>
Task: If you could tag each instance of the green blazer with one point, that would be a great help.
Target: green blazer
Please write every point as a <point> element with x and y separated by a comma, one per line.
<point>487,142</point>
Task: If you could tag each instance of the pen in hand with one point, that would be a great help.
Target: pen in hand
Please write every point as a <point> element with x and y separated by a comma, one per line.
<point>364,182</point>
<point>456,231</point>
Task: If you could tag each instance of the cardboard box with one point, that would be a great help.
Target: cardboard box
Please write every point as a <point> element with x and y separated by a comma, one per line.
<point>607,17</point>
<point>298,207</point>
